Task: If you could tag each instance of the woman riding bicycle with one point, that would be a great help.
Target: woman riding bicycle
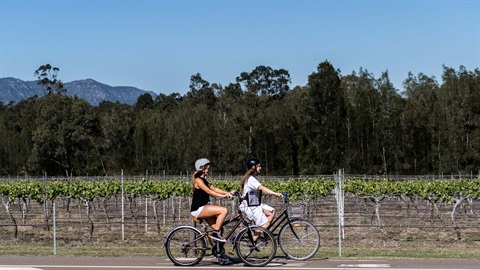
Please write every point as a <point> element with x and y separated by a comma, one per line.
<point>262,214</point>
<point>214,215</point>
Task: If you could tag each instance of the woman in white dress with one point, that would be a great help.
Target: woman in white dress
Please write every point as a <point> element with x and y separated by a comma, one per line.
<point>261,214</point>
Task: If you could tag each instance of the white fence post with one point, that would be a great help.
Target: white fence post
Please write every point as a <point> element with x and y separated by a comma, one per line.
<point>146,214</point>
<point>339,178</point>
<point>54,231</point>
<point>146,205</point>
<point>123,211</point>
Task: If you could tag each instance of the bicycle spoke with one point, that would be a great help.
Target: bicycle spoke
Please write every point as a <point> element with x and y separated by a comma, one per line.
<point>257,253</point>
<point>300,241</point>
<point>184,247</point>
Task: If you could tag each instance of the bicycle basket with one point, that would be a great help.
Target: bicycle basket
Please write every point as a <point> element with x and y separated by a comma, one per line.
<point>295,211</point>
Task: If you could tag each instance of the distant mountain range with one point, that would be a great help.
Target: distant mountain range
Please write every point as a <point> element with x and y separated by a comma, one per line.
<point>94,92</point>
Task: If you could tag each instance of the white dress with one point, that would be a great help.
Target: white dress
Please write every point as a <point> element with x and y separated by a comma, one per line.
<point>254,213</point>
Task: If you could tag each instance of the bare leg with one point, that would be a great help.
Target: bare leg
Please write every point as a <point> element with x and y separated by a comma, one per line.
<point>270,215</point>
<point>214,215</point>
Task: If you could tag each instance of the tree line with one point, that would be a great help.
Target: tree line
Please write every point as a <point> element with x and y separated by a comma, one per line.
<point>356,122</point>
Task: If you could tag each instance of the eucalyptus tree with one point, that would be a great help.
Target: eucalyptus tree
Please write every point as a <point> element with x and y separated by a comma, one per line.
<point>230,129</point>
<point>283,136</point>
<point>117,125</point>
<point>458,146</point>
<point>262,87</point>
<point>372,124</point>
<point>470,84</point>
<point>420,124</point>
<point>361,123</point>
<point>142,137</point>
<point>324,147</point>
<point>61,139</point>
<point>148,137</point>
<point>4,159</point>
<point>47,78</point>
<point>154,150</point>
<point>389,127</point>
<point>266,81</point>
<point>189,135</point>
<point>16,125</point>
<point>167,103</point>
<point>144,101</point>
<point>201,92</point>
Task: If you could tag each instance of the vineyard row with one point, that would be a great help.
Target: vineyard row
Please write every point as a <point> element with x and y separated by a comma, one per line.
<point>449,191</point>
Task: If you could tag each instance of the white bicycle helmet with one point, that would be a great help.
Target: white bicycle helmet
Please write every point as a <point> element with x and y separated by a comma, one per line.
<point>201,163</point>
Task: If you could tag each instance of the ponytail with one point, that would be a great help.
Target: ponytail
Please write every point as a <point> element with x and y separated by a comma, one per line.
<point>195,175</point>
<point>245,177</point>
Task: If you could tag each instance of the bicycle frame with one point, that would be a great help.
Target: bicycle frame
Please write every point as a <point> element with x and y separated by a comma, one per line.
<point>279,221</point>
<point>284,217</point>
<point>206,231</point>
<point>240,220</point>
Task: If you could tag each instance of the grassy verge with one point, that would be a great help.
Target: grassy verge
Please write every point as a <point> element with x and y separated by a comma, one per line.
<point>444,250</point>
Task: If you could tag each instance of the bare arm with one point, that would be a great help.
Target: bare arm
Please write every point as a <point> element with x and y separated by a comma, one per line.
<point>270,192</point>
<point>212,191</point>
<point>225,194</point>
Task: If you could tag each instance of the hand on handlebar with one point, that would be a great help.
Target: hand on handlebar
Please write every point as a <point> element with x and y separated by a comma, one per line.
<point>236,193</point>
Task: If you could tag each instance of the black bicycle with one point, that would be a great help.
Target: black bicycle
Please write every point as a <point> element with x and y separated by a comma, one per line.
<point>254,245</point>
<point>299,239</point>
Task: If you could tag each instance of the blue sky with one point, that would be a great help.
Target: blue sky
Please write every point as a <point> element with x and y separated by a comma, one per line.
<point>158,45</point>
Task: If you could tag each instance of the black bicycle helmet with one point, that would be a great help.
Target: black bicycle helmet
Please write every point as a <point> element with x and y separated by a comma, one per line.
<point>252,162</point>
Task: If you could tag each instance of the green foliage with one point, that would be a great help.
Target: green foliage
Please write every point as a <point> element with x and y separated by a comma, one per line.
<point>431,190</point>
<point>311,188</point>
<point>356,122</point>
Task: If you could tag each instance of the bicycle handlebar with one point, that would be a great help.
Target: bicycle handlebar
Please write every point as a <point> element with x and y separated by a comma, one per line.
<point>237,194</point>
<point>285,198</point>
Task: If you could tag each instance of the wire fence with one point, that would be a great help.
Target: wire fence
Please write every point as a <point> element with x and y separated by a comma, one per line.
<point>145,219</point>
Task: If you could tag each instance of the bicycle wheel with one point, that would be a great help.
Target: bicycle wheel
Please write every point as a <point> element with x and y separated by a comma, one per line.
<point>184,246</point>
<point>259,252</point>
<point>299,240</point>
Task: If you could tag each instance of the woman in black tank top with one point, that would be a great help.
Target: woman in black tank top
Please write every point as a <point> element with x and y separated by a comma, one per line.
<point>214,215</point>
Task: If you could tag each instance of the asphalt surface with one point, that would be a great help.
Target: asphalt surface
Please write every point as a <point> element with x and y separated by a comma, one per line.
<point>104,263</point>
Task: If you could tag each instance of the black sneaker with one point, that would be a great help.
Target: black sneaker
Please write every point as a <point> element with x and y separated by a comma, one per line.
<point>217,237</point>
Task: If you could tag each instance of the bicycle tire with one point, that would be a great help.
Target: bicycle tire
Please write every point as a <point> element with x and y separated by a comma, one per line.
<point>182,248</point>
<point>257,253</point>
<point>301,245</point>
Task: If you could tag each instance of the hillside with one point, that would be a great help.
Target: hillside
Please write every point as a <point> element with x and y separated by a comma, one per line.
<point>12,89</point>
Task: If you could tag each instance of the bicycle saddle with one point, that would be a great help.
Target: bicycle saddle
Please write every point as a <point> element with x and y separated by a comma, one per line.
<point>198,220</point>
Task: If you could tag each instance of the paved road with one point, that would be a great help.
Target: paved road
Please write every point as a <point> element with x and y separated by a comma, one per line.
<point>104,263</point>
